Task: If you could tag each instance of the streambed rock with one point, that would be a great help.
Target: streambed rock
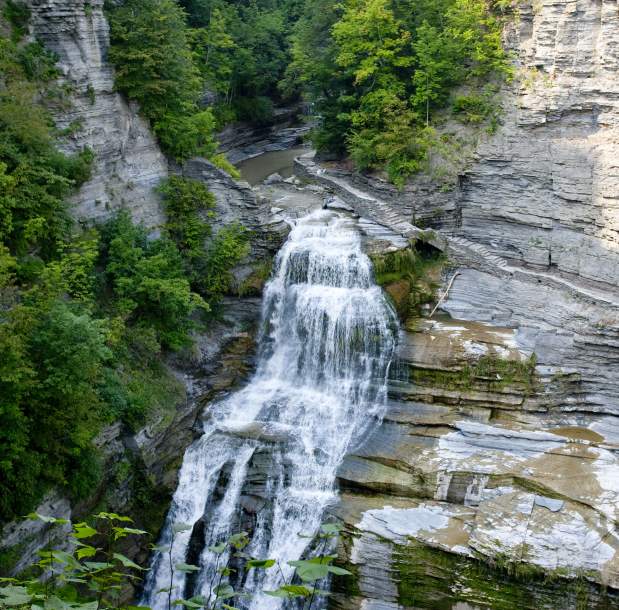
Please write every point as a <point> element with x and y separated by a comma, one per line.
<point>480,461</point>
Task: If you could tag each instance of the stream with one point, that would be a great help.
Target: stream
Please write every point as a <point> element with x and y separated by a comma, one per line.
<point>328,335</point>
<point>256,169</point>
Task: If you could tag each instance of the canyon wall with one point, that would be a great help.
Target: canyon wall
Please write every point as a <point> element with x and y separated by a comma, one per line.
<point>500,444</point>
<point>128,162</point>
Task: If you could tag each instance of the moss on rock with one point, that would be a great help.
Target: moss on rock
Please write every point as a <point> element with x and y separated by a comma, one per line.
<point>436,580</point>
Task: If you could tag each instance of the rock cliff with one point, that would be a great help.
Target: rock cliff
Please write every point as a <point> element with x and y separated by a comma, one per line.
<point>545,191</point>
<point>128,163</point>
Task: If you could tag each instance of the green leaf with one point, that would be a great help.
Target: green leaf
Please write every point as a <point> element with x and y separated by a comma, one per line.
<point>86,606</point>
<point>331,528</point>
<point>46,518</point>
<point>127,562</point>
<point>224,591</point>
<point>97,566</point>
<point>55,603</point>
<point>240,540</point>
<point>290,591</point>
<point>177,528</point>
<point>160,548</point>
<point>218,548</point>
<point>310,571</point>
<point>260,563</point>
<point>186,567</point>
<point>195,602</point>
<point>133,530</point>
<point>86,551</point>
<point>114,517</point>
<point>14,596</point>
<point>83,530</point>
<point>66,558</point>
<point>339,571</point>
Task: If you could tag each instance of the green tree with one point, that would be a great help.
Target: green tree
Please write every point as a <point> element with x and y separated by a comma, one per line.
<point>187,203</point>
<point>148,282</point>
<point>214,50</point>
<point>151,51</point>
<point>382,72</point>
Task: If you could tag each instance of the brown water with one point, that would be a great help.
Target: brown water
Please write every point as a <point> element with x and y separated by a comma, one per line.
<point>258,168</point>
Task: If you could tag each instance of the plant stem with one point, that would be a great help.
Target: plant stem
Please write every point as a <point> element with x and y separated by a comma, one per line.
<point>171,573</point>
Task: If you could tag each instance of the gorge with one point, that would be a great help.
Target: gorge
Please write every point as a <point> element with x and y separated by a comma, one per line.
<point>470,456</point>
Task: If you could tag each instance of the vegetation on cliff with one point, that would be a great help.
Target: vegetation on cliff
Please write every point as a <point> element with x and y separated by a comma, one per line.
<point>86,315</point>
<point>383,73</point>
<point>171,57</point>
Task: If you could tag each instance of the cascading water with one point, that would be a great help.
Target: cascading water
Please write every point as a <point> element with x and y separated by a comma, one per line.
<point>327,340</point>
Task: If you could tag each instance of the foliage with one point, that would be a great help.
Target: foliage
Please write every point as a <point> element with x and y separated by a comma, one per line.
<point>242,51</point>
<point>382,72</point>
<point>185,202</point>
<point>229,246</point>
<point>35,177</point>
<point>92,573</point>
<point>151,51</point>
<point>208,259</point>
<point>85,315</point>
<point>18,15</point>
<point>148,283</point>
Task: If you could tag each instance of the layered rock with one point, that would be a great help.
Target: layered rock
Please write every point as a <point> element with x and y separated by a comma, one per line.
<point>242,141</point>
<point>236,202</point>
<point>480,461</point>
<point>128,163</point>
<point>545,190</point>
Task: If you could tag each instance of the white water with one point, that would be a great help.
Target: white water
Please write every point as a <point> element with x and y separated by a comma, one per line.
<point>320,384</point>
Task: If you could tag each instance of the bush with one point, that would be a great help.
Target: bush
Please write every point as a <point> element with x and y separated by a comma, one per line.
<point>256,110</point>
<point>18,15</point>
<point>187,202</point>
<point>148,283</point>
<point>208,259</point>
<point>35,177</point>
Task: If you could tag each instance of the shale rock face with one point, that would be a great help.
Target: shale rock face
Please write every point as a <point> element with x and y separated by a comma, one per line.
<point>128,162</point>
<point>480,463</point>
<point>545,190</point>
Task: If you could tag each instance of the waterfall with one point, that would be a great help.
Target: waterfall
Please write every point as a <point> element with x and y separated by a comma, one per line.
<point>268,457</point>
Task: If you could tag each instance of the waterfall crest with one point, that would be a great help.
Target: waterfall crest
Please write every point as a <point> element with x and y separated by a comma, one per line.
<point>268,457</point>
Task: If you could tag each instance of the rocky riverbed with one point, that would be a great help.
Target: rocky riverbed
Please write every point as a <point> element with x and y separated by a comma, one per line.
<point>493,479</point>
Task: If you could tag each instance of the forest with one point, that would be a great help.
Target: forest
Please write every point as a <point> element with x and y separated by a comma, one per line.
<point>88,314</point>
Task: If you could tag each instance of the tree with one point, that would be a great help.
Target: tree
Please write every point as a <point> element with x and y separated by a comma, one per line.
<point>154,65</point>
<point>148,282</point>
<point>372,43</point>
